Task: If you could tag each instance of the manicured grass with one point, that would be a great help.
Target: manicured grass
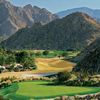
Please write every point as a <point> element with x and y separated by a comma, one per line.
<point>41,89</point>
<point>52,53</point>
<point>55,53</point>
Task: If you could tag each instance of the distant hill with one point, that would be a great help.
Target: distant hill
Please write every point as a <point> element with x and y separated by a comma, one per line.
<point>13,18</point>
<point>95,13</point>
<point>74,32</point>
<point>89,59</point>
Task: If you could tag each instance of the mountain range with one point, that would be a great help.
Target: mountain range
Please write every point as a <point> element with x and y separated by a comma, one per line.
<point>13,18</point>
<point>31,27</point>
<point>73,32</point>
<point>95,13</point>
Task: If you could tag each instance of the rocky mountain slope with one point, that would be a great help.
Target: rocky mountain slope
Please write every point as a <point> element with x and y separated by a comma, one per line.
<point>13,18</point>
<point>89,59</point>
<point>74,32</point>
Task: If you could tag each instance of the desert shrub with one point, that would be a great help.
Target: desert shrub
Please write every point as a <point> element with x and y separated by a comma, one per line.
<point>64,54</point>
<point>21,56</point>
<point>29,64</point>
<point>62,77</point>
<point>38,54</point>
<point>45,53</point>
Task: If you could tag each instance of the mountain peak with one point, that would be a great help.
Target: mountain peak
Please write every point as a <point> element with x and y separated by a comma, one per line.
<point>36,7</point>
<point>13,18</point>
<point>81,14</point>
<point>73,32</point>
<point>83,17</point>
<point>4,1</point>
<point>94,13</point>
<point>29,6</point>
<point>44,9</point>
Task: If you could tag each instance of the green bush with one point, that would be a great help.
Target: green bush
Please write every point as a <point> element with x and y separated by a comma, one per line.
<point>29,64</point>
<point>62,77</point>
<point>38,54</point>
<point>45,53</point>
<point>21,56</point>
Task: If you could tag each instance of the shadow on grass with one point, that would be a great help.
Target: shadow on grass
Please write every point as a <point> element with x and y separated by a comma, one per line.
<point>52,84</point>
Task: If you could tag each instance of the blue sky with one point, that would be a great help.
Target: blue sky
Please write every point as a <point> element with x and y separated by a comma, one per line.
<point>59,5</point>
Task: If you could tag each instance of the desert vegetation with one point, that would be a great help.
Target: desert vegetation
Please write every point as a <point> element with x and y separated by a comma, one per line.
<point>39,62</point>
<point>21,60</point>
<point>15,61</point>
<point>77,79</point>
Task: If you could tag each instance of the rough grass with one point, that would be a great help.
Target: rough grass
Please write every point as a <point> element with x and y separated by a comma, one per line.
<point>47,65</point>
<point>41,89</point>
<point>44,65</point>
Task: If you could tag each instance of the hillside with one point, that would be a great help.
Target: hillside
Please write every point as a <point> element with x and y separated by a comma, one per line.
<point>74,32</point>
<point>13,18</point>
<point>95,13</point>
<point>89,59</point>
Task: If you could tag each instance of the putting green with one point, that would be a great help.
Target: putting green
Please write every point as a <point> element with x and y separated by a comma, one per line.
<point>41,89</point>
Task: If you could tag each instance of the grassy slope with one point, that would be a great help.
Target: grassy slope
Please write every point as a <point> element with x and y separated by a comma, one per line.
<point>40,89</point>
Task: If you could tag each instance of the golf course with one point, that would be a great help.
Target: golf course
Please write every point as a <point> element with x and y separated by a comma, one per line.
<point>42,89</point>
<point>33,85</point>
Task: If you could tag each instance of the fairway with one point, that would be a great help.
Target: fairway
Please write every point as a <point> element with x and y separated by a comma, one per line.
<point>41,89</point>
